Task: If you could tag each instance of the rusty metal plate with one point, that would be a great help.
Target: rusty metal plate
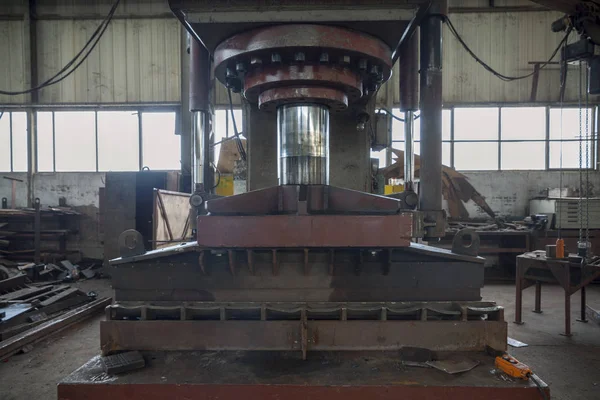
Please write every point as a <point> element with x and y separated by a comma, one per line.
<point>288,335</point>
<point>313,231</point>
<point>283,375</point>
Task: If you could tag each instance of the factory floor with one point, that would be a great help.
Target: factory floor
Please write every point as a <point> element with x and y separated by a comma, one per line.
<point>571,366</point>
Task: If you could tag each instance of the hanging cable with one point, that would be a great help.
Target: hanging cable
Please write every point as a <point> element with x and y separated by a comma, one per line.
<point>240,145</point>
<point>503,77</point>
<point>580,202</point>
<point>587,159</point>
<point>89,46</point>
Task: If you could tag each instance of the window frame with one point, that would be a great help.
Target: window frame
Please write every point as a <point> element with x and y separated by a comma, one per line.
<point>139,110</point>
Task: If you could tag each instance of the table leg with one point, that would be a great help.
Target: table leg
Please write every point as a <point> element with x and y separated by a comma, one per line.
<point>538,298</point>
<point>519,293</point>
<point>583,317</point>
<point>567,301</point>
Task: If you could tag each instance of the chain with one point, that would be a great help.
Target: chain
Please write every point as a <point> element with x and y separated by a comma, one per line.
<point>587,157</point>
<point>580,203</point>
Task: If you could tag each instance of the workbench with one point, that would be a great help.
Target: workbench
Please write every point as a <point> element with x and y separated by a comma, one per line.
<point>284,375</point>
<point>534,268</point>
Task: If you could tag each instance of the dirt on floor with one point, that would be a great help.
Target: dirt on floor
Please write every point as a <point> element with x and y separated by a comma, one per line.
<point>571,366</point>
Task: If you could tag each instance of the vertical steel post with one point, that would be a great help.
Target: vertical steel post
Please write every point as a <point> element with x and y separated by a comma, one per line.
<point>430,196</point>
<point>409,151</point>
<point>200,108</point>
<point>409,102</point>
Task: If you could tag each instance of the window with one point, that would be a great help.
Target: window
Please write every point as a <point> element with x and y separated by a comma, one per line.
<point>510,138</point>
<point>118,141</point>
<point>161,148</point>
<point>223,128</point>
<point>45,141</point>
<point>523,137</point>
<point>398,134</point>
<point>565,138</point>
<point>13,141</point>
<point>75,141</point>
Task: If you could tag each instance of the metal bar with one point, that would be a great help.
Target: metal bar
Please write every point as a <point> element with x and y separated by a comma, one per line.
<point>452,137</point>
<point>499,138</point>
<point>409,32</point>
<point>409,151</point>
<point>53,143</point>
<point>375,335</point>
<point>534,82</point>
<point>140,141</point>
<point>430,198</point>
<point>14,344</point>
<point>37,232</point>
<point>583,315</point>
<point>567,271</point>
<point>519,277</point>
<point>96,138</point>
<point>547,140</point>
<point>538,297</point>
<point>10,144</point>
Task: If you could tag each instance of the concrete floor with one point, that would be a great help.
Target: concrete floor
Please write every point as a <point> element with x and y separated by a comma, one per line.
<point>571,366</point>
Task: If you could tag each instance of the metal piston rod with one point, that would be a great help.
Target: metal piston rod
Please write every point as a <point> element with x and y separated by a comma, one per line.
<point>303,144</point>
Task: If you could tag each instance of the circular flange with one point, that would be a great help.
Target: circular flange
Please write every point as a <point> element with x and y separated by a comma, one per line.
<point>302,55</point>
<point>271,77</point>
<point>335,99</point>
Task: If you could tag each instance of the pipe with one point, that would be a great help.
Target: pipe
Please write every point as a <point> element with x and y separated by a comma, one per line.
<point>409,74</point>
<point>202,175</point>
<point>430,193</point>
<point>303,144</point>
<point>409,152</point>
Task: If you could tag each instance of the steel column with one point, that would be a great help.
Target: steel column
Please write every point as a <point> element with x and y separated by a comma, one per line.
<point>200,107</point>
<point>430,196</point>
<point>409,151</point>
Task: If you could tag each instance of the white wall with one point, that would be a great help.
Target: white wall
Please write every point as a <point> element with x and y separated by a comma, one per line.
<point>508,192</point>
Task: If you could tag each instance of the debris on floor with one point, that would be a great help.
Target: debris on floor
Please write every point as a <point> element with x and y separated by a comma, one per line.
<point>592,314</point>
<point>515,343</point>
<point>454,366</point>
<point>123,362</point>
<point>26,306</point>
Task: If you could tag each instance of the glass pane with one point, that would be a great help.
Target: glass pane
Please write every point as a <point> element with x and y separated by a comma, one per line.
<point>397,126</point>
<point>19,141</point>
<point>44,142</point>
<point>476,123</point>
<point>4,141</point>
<point>118,141</point>
<point>523,155</point>
<point>570,154</point>
<point>570,123</point>
<point>475,156</point>
<point>446,124</point>
<point>238,122</point>
<point>161,147</point>
<point>519,123</point>
<point>445,152</point>
<point>380,155</point>
<point>75,135</point>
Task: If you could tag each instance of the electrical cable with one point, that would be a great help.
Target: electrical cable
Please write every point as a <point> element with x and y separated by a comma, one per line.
<point>218,174</point>
<point>489,68</point>
<point>240,145</point>
<point>91,43</point>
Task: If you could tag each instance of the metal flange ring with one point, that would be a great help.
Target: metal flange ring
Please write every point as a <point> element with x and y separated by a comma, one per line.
<point>335,99</point>
<point>329,76</point>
